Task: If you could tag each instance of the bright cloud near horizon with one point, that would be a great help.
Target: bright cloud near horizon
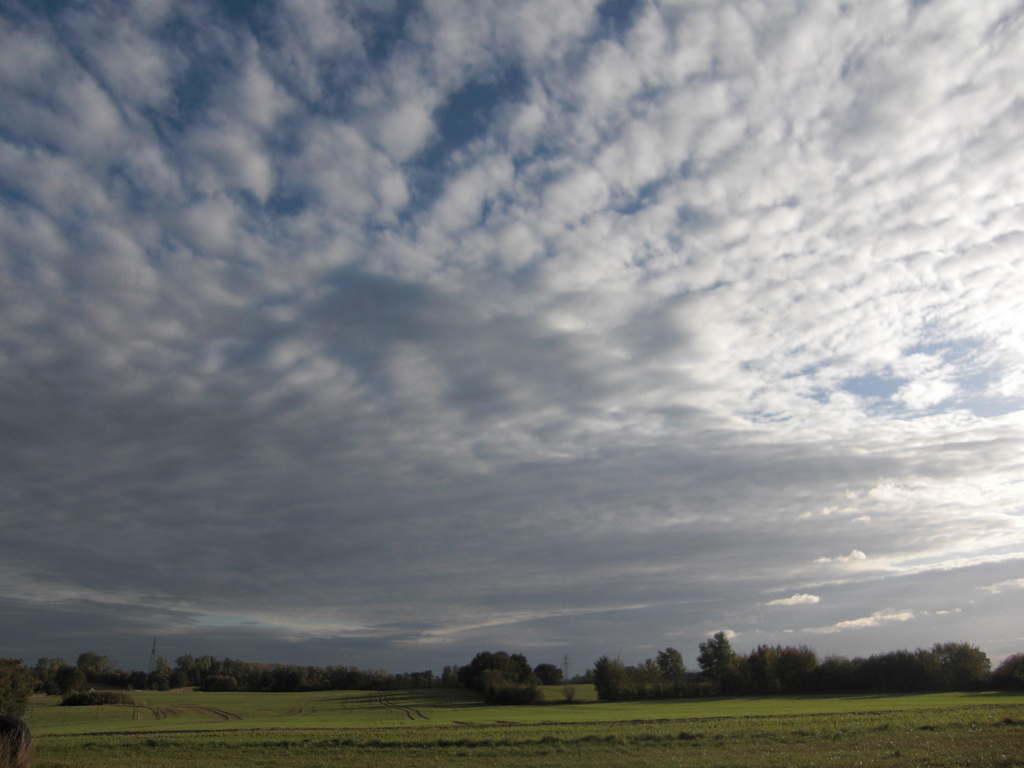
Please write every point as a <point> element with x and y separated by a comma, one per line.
<point>383,333</point>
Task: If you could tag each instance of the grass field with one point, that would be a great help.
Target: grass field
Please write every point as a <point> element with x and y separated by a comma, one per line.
<point>449,728</point>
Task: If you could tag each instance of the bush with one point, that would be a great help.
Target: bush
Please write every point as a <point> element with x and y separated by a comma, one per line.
<point>512,694</point>
<point>16,683</point>
<point>93,698</point>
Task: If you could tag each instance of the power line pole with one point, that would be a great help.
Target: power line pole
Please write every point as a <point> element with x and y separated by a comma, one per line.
<point>565,667</point>
<point>152,658</point>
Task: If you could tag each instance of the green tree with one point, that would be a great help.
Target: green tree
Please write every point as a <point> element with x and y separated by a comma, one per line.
<point>763,665</point>
<point>190,668</point>
<point>69,679</point>
<point>1009,675</point>
<point>16,684</point>
<point>959,666</point>
<point>94,665</point>
<point>46,669</point>
<point>896,672</point>
<point>548,674</point>
<point>796,667</point>
<point>160,677</point>
<point>646,674</point>
<point>670,664</point>
<point>716,657</point>
<point>450,676</point>
<point>220,683</point>
<point>611,680</point>
<point>178,679</point>
<point>513,668</point>
<point>837,674</point>
<point>502,678</point>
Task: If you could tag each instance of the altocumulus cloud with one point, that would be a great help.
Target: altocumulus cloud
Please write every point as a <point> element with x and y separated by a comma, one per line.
<point>381,333</point>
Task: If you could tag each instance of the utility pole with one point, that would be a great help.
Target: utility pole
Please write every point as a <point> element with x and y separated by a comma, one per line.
<point>565,667</point>
<point>152,658</point>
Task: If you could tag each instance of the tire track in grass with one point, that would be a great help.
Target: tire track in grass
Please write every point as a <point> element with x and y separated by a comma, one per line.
<point>163,713</point>
<point>300,708</point>
<point>410,712</point>
<point>222,715</point>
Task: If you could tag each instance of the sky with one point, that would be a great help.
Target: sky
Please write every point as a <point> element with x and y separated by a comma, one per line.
<point>383,333</point>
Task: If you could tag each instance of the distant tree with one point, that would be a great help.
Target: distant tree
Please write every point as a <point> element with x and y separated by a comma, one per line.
<point>795,668</point>
<point>1009,675</point>
<point>220,683</point>
<point>548,674</point>
<point>188,666</point>
<point>69,679</point>
<point>178,679</point>
<point>959,667</point>
<point>497,688</point>
<point>837,674</point>
<point>136,680</point>
<point>411,680</point>
<point>94,665</point>
<point>46,669</point>
<point>646,674</point>
<point>763,670</point>
<point>450,676</point>
<point>896,672</point>
<point>288,677</point>
<point>513,668</point>
<point>519,670</point>
<point>16,684</point>
<point>611,681</point>
<point>670,664</point>
<point>160,677</point>
<point>716,657</point>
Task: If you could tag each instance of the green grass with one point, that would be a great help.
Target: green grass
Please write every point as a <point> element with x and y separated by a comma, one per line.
<point>435,728</point>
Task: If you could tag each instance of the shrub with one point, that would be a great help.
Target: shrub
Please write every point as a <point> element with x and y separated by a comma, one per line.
<point>16,683</point>
<point>90,698</point>
<point>512,694</point>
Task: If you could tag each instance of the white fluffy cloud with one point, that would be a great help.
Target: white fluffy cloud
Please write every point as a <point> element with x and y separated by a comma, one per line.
<point>1005,585</point>
<point>855,556</point>
<point>801,599</point>
<point>874,620</point>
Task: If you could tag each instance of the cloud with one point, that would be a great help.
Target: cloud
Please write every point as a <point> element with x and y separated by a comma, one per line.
<point>1005,585</point>
<point>729,634</point>
<point>909,568</point>
<point>879,618</point>
<point>546,321</point>
<point>855,556</point>
<point>801,599</point>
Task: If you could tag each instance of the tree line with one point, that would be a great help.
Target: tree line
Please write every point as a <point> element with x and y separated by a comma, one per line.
<point>769,670</point>
<point>504,678</point>
<point>209,673</point>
